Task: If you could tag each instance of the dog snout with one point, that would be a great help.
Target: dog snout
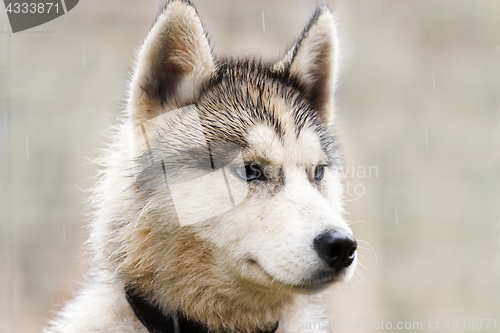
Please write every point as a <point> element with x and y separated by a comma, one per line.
<point>337,248</point>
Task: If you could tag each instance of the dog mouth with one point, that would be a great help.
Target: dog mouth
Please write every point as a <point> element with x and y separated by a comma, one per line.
<point>320,280</point>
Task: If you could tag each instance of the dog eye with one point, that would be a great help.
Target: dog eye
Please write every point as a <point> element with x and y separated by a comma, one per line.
<point>251,172</point>
<point>319,172</point>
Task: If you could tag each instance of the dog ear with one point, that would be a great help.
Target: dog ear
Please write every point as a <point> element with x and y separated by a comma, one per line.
<point>172,64</point>
<point>313,61</point>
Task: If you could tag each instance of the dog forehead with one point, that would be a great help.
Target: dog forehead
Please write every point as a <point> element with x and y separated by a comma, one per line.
<point>266,113</point>
<point>288,148</point>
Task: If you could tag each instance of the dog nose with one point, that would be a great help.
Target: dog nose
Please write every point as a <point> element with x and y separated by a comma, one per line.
<point>336,248</point>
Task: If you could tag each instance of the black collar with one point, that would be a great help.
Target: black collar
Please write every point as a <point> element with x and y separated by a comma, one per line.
<point>157,322</point>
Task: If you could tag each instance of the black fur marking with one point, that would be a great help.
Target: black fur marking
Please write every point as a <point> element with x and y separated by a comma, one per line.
<point>229,107</point>
<point>247,88</point>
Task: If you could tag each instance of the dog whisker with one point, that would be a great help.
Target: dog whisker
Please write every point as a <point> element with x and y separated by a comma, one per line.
<point>351,223</point>
<point>375,253</point>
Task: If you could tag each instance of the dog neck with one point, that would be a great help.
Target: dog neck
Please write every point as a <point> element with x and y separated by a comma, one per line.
<point>156,321</point>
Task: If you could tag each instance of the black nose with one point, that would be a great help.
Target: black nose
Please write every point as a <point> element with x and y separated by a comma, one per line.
<point>336,248</point>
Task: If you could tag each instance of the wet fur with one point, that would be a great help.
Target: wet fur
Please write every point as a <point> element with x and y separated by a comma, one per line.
<point>254,265</point>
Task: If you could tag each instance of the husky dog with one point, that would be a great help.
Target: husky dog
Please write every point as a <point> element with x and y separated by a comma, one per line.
<point>219,202</point>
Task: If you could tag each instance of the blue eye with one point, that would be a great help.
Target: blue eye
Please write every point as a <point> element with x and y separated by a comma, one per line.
<point>319,172</point>
<point>251,172</point>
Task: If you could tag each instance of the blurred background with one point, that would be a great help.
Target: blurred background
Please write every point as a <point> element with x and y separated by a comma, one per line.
<point>419,118</point>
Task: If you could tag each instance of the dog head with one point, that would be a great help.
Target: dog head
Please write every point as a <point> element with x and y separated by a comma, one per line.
<point>237,171</point>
